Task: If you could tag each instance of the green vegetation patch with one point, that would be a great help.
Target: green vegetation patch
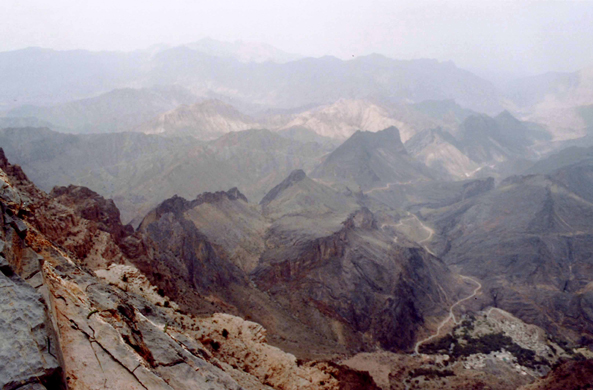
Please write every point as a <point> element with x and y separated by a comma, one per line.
<point>466,346</point>
<point>430,373</point>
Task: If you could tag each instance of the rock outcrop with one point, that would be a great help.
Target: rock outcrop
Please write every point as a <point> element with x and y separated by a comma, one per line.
<point>93,207</point>
<point>29,351</point>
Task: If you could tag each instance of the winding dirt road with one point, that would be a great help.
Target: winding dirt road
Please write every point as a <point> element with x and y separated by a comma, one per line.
<point>379,188</point>
<point>451,315</point>
<point>388,186</point>
<point>413,216</point>
<point>428,229</point>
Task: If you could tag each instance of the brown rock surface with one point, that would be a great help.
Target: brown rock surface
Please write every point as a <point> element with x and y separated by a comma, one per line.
<point>570,375</point>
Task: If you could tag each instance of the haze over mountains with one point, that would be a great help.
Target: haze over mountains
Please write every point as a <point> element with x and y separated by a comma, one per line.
<point>288,85</point>
<point>242,51</point>
<point>386,223</point>
<point>81,91</point>
<point>115,111</point>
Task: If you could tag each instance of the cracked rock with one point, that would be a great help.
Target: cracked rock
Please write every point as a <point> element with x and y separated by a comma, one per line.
<point>25,347</point>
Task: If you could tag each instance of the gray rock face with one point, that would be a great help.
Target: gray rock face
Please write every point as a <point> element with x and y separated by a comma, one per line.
<point>123,347</point>
<point>29,351</point>
<point>26,352</point>
<point>7,194</point>
<point>294,177</point>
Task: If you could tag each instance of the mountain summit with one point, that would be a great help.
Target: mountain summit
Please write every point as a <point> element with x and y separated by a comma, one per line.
<point>368,160</point>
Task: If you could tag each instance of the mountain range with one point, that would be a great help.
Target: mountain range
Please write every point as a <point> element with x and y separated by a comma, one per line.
<point>321,271</point>
<point>61,76</point>
<point>261,77</point>
<point>230,216</point>
<point>243,51</point>
<point>138,171</point>
<point>127,166</point>
<point>115,111</point>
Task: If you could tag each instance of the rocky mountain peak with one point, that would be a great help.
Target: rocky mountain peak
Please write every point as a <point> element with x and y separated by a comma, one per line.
<point>11,169</point>
<point>93,207</point>
<point>343,118</point>
<point>427,137</point>
<point>370,160</point>
<point>235,194</point>
<point>507,116</point>
<point>213,197</point>
<point>177,205</point>
<point>386,138</point>
<point>479,125</point>
<point>295,176</point>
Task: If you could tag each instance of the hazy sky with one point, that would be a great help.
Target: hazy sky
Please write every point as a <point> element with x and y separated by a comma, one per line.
<point>511,36</point>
